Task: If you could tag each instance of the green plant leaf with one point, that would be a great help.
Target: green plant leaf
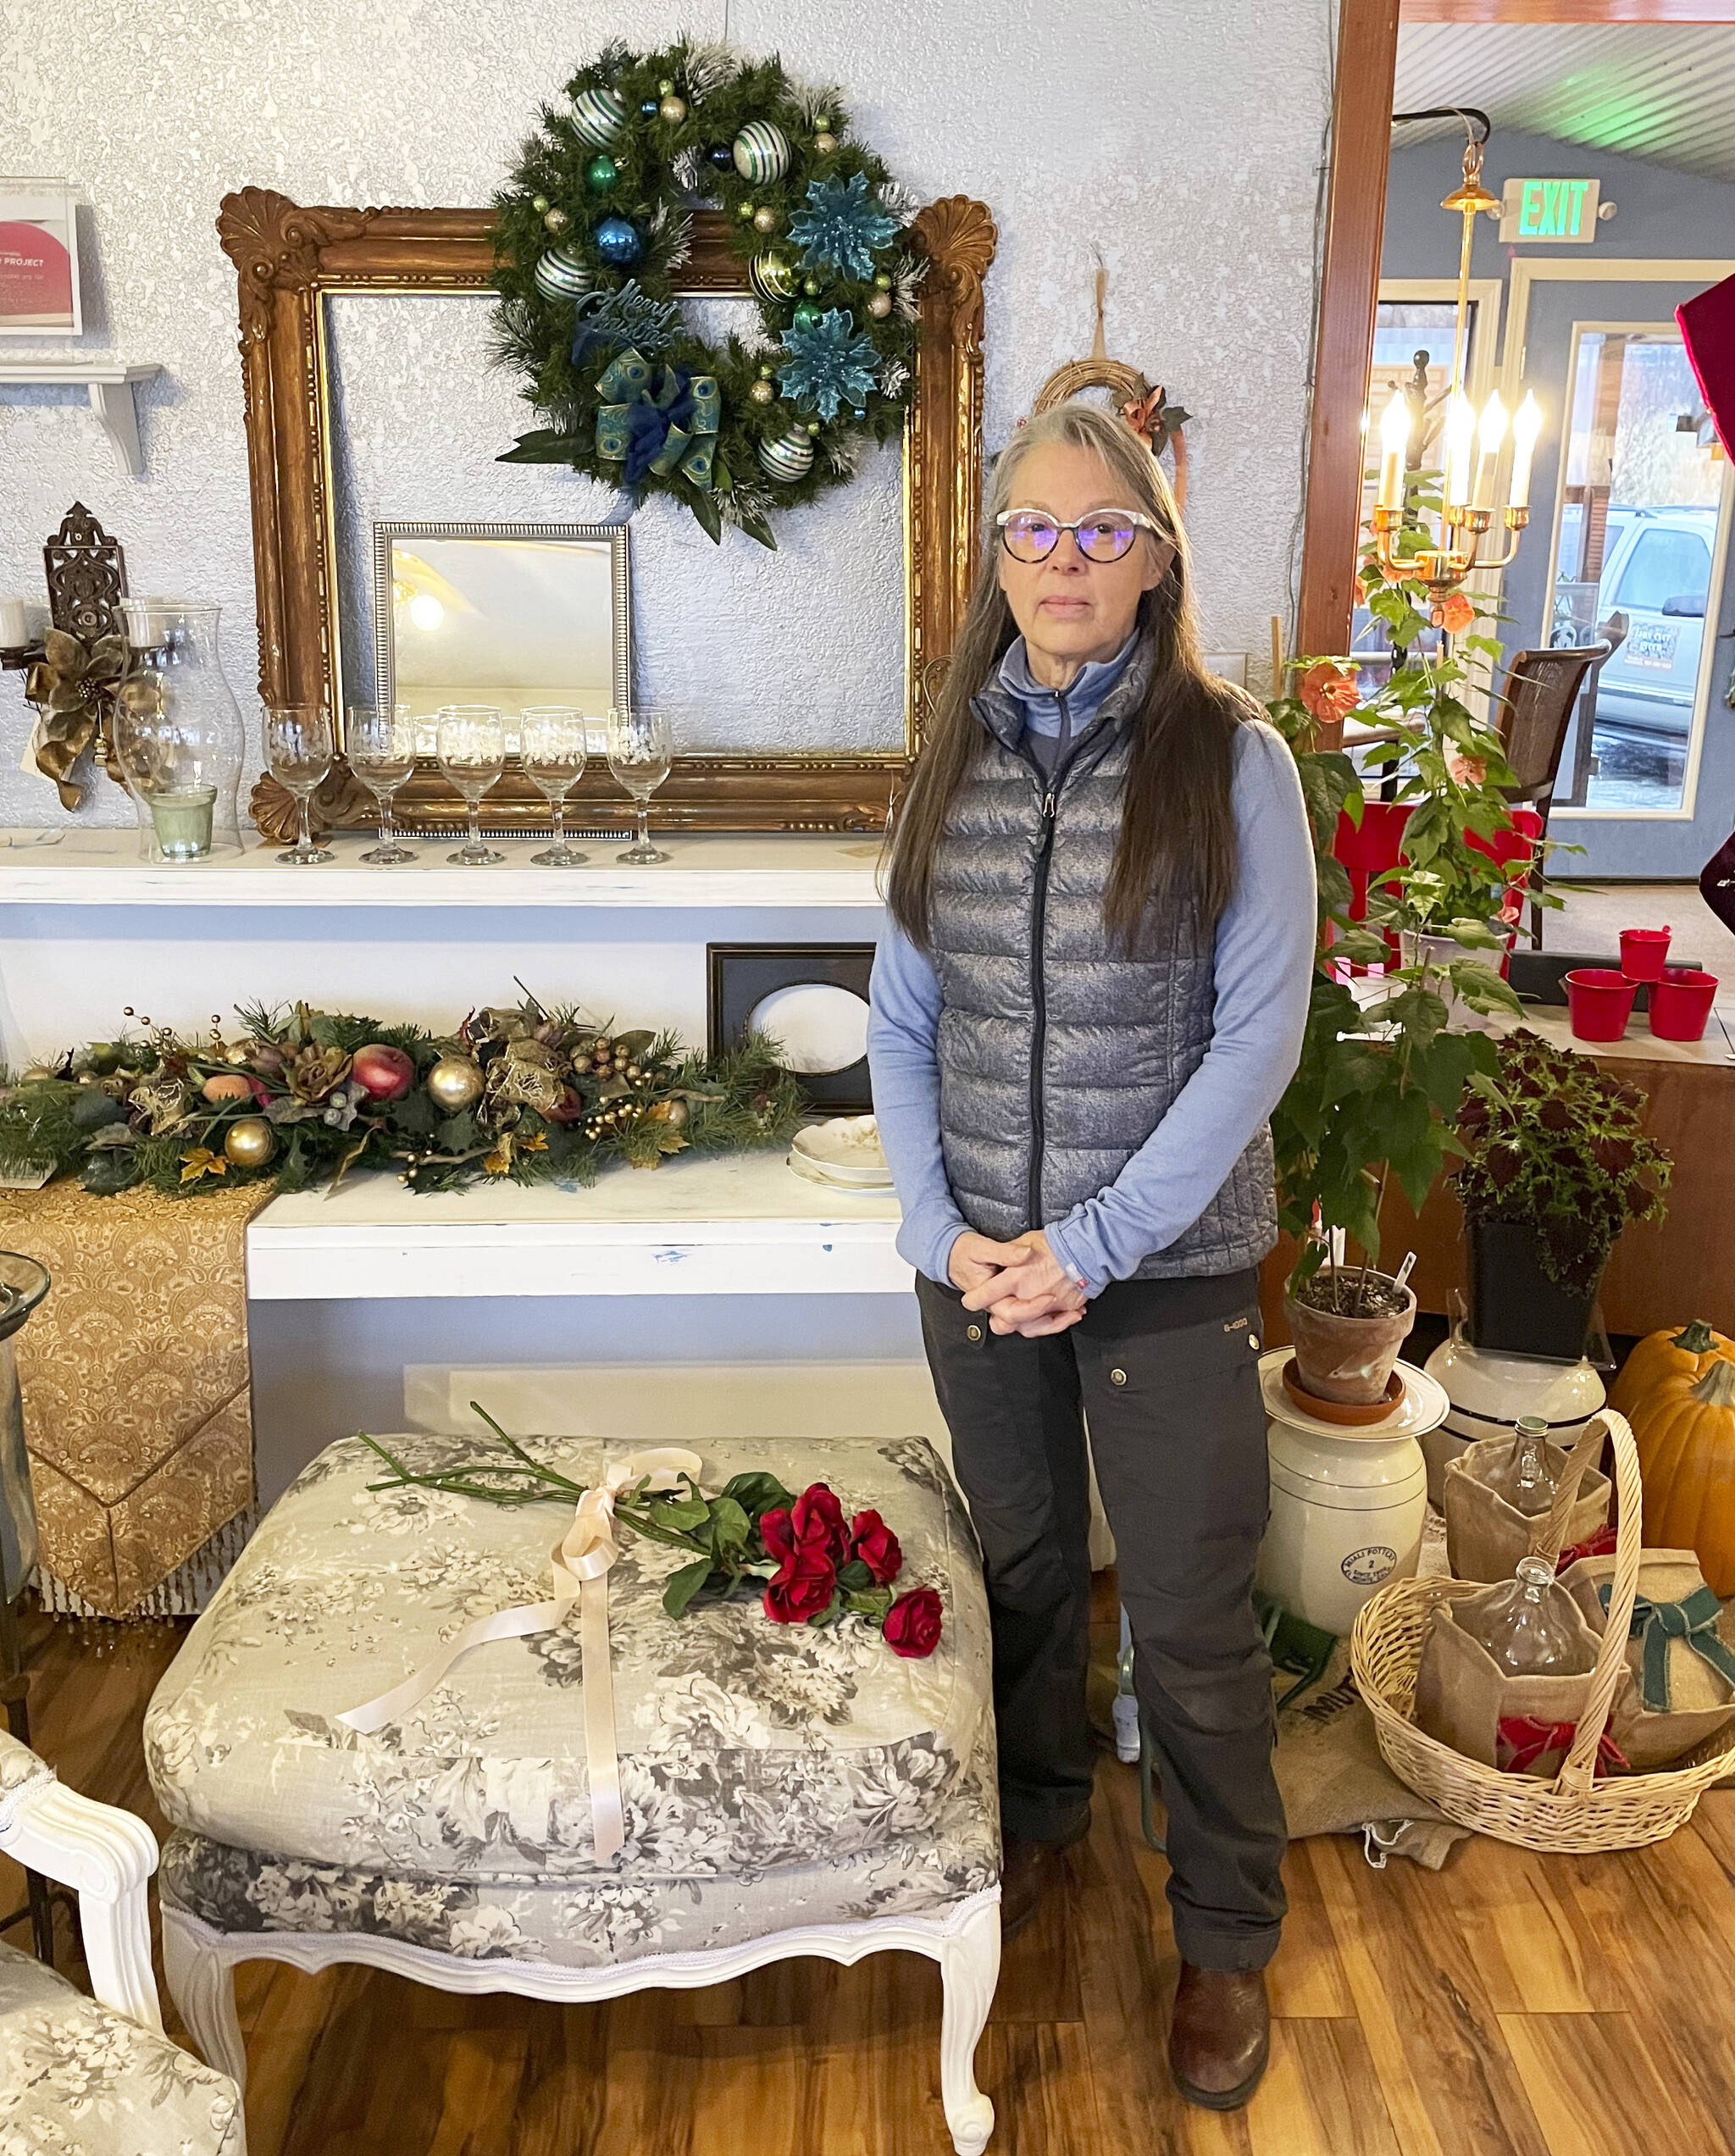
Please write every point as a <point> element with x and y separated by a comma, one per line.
<point>681,1587</point>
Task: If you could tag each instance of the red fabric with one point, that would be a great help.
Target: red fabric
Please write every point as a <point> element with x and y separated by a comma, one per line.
<point>1602,1544</point>
<point>1368,850</point>
<point>1707,326</point>
<point>1520,1740</point>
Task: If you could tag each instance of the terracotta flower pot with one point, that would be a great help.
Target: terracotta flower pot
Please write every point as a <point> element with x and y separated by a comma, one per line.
<point>1345,1358</point>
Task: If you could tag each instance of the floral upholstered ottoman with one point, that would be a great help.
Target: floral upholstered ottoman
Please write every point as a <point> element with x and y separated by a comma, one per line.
<point>785,1788</point>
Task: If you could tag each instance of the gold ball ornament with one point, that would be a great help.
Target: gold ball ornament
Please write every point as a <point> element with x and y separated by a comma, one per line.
<point>824,142</point>
<point>556,220</point>
<point>250,1142</point>
<point>226,1085</point>
<point>673,109</point>
<point>764,219</point>
<point>762,393</point>
<point>35,1074</point>
<point>879,305</point>
<point>455,1083</point>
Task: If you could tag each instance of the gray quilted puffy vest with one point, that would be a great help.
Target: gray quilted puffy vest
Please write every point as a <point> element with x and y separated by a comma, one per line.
<point>1059,1055</point>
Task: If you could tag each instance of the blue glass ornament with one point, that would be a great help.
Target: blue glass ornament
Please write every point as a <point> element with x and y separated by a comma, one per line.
<point>647,106</point>
<point>617,242</point>
<point>721,156</point>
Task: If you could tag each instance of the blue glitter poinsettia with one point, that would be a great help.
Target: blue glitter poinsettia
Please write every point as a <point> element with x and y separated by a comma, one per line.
<point>841,226</point>
<point>830,363</point>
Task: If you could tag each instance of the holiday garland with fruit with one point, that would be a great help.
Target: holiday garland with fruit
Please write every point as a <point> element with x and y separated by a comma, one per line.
<point>590,237</point>
<point>298,1096</point>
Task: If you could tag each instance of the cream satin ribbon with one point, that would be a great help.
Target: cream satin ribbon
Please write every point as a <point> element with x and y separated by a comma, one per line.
<point>580,1562</point>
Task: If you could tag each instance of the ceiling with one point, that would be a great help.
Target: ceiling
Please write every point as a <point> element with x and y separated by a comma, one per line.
<point>1662,92</point>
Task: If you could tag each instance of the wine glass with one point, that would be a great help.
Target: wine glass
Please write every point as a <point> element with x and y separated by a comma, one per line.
<point>641,750</point>
<point>380,743</point>
<point>299,749</point>
<point>470,742</point>
<point>551,749</point>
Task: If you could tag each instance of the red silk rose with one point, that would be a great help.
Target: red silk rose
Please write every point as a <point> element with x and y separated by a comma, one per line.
<point>777,1534</point>
<point>913,1624</point>
<point>818,1520</point>
<point>802,1588</point>
<point>877,1546</point>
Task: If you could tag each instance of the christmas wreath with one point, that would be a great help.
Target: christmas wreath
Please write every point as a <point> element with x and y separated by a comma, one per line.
<point>598,218</point>
<point>298,1096</point>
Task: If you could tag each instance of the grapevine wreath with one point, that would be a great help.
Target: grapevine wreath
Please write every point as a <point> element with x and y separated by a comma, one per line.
<point>598,219</point>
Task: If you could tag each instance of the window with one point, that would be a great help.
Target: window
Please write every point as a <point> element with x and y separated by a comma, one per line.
<point>1665,565</point>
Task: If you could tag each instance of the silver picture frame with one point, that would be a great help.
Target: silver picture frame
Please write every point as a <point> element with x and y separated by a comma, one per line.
<point>389,535</point>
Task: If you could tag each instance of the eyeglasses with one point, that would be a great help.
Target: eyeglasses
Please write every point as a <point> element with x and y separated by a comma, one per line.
<point>1105,534</point>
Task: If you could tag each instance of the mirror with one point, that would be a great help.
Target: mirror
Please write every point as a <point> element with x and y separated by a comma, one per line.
<point>368,402</point>
<point>503,614</point>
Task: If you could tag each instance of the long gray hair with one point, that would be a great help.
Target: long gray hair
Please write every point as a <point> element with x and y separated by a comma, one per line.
<point>1178,829</point>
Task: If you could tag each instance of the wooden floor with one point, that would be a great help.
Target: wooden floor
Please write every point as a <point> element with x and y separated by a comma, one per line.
<point>1511,2005</point>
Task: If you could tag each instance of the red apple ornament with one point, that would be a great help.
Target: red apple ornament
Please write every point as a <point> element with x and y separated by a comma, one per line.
<point>384,1073</point>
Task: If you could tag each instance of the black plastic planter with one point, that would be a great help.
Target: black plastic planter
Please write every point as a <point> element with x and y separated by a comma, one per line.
<point>1515,1308</point>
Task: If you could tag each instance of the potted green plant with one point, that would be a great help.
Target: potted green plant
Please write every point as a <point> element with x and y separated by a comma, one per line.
<point>1556,1162</point>
<point>1383,1068</point>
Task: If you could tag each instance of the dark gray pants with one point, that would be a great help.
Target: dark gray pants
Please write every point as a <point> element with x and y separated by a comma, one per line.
<point>1167,1373</point>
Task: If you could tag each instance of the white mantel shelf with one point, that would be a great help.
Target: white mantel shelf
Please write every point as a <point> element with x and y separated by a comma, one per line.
<point>735,1224</point>
<point>108,384</point>
<point>74,867</point>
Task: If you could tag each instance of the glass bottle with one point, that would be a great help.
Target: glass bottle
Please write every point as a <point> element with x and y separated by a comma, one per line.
<point>1529,1624</point>
<point>1519,1468</point>
<point>178,730</point>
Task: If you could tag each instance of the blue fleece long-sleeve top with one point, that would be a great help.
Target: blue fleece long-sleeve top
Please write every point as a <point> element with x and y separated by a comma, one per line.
<point>1264,960</point>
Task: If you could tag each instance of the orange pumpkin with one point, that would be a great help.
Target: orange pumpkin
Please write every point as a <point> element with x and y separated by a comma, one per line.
<point>1678,1391</point>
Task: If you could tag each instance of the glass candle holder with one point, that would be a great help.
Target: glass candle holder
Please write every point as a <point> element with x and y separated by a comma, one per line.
<point>177,730</point>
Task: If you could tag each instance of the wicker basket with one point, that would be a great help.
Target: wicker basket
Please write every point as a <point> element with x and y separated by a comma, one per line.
<point>1573,1813</point>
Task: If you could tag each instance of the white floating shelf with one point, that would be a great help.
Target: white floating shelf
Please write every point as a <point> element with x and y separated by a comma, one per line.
<point>735,1224</point>
<point>109,385</point>
<point>72,866</point>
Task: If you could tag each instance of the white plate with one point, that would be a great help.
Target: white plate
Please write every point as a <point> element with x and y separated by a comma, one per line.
<point>809,1173</point>
<point>1423,1407</point>
<point>845,1150</point>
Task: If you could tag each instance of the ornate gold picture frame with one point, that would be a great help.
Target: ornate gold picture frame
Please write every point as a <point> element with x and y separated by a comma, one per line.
<point>287,259</point>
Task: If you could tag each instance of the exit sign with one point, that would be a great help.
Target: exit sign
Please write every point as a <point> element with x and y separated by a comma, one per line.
<point>1560,211</point>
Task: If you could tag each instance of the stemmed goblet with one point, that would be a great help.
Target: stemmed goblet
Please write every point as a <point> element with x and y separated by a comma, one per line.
<point>641,750</point>
<point>551,749</point>
<point>470,743</point>
<point>380,743</point>
<point>299,749</point>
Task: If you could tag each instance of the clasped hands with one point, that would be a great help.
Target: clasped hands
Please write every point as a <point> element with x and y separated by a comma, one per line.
<point>1021,1285</point>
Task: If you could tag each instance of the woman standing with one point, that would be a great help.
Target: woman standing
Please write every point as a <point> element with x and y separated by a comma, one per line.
<point>1087,1001</point>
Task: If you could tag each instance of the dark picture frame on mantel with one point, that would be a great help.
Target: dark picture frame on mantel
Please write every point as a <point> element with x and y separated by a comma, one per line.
<point>740,976</point>
<point>288,258</point>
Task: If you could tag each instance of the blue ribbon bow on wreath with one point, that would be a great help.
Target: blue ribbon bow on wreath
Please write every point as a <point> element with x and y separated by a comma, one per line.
<point>659,420</point>
<point>1660,1624</point>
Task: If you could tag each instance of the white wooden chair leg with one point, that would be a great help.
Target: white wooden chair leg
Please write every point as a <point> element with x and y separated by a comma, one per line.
<point>202,1984</point>
<point>969,1969</point>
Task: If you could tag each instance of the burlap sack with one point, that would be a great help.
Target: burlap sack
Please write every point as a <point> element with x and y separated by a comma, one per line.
<point>1486,1536</point>
<point>1462,1694</point>
<point>1702,1700</point>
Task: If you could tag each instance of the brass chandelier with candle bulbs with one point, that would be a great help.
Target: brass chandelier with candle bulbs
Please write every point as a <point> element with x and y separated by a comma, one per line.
<point>1469,506</point>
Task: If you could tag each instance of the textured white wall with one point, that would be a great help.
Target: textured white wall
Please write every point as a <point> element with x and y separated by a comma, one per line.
<point>1181,140</point>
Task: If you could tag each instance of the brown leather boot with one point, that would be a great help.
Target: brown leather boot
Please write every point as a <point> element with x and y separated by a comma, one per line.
<point>1220,2038</point>
<point>1027,1870</point>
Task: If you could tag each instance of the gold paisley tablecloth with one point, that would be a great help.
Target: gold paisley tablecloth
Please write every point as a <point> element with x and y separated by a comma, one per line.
<point>137,1407</point>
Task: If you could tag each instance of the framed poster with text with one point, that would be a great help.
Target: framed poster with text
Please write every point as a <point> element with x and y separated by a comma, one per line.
<point>39,291</point>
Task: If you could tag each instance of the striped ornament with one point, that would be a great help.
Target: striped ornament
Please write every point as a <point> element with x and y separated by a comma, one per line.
<point>598,116</point>
<point>563,273</point>
<point>761,152</point>
<point>790,458</point>
<point>772,276</point>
